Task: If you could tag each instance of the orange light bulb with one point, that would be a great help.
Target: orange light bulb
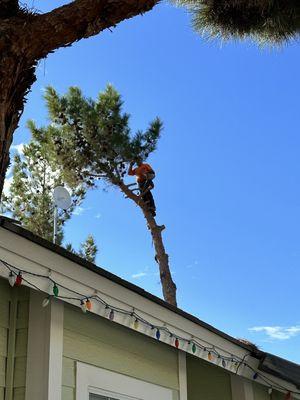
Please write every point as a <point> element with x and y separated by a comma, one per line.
<point>88,304</point>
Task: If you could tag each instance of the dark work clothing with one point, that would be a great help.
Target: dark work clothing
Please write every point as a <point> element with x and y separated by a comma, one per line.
<point>147,197</point>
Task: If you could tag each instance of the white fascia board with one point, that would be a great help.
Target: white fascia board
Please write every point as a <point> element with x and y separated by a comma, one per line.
<point>32,257</point>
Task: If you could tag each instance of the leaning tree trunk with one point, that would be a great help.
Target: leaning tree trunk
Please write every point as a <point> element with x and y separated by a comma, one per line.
<point>162,258</point>
<point>26,37</point>
<point>15,82</point>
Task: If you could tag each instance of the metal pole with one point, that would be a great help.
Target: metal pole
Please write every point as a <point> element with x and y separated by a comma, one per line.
<point>55,224</point>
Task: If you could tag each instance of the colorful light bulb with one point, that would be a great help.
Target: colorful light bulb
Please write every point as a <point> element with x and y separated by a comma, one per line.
<point>55,290</point>
<point>136,324</point>
<point>88,304</point>
<point>194,348</point>
<point>270,390</point>
<point>19,279</point>
<point>46,301</point>
<point>255,376</point>
<point>224,365</point>
<point>111,315</point>
<point>177,343</point>
<point>209,356</point>
<point>157,334</point>
<point>11,279</point>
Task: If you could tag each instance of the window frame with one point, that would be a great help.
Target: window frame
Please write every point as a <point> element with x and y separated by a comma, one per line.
<point>109,394</point>
<point>96,380</point>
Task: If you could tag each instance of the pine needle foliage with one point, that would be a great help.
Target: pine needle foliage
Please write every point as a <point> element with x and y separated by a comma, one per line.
<point>266,21</point>
<point>35,175</point>
<point>88,249</point>
<point>92,140</point>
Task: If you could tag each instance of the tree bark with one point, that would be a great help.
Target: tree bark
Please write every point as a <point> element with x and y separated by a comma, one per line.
<point>8,8</point>
<point>25,38</point>
<point>161,257</point>
<point>16,79</point>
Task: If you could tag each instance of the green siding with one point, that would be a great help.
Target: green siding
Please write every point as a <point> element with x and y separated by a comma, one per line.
<point>261,393</point>
<point>94,340</point>
<point>68,393</point>
<point>207,382</point>
<point>17,358</point>
<point>5,299</point>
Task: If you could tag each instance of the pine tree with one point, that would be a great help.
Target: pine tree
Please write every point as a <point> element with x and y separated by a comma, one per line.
<point>92,140</point>
<point>35,174</point>
<point>28,36</point>
<point>88,249</point>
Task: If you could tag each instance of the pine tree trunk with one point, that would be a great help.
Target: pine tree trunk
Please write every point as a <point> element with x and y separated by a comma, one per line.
<point>162,258</point>
<point>26,38</point>
<point>15,82</point>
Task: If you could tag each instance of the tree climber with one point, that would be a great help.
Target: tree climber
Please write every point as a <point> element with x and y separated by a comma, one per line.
<point>144,177</point>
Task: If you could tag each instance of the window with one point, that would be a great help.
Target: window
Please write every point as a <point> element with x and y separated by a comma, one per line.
<point>94,383</point>
<point>93,396</point>
<point>97,397</point>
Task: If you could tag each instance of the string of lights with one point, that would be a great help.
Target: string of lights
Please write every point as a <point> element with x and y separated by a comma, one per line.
<point>16,277</point>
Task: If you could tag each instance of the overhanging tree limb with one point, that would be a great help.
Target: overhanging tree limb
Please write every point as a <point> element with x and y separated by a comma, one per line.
<point>79,19</point>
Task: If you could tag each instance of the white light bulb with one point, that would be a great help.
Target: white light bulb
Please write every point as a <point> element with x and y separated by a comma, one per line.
<point>83,306</point>
<point>45,302</point>
<point>11,279</point>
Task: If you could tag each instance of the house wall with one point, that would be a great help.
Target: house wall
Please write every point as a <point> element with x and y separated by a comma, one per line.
<point>4,325</point>
<point>207,382</point>
<point>91,339</point>
<point>14,305</point>
<point>102,343</point>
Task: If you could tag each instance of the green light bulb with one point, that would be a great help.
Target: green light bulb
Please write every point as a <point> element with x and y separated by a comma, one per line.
<point>55,290</point>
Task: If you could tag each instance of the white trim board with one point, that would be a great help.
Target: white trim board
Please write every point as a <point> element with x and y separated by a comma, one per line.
<point>182,375</point>
<point>45,347</point>
<point>90,379</point>
<point>56,336</point>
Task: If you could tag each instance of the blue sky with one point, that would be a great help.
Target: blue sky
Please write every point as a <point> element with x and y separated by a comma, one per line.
<point>227,169</point>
